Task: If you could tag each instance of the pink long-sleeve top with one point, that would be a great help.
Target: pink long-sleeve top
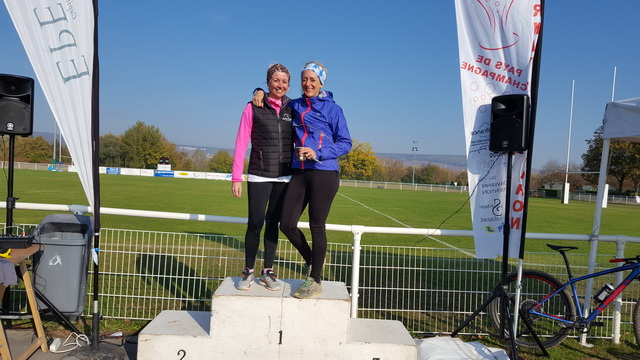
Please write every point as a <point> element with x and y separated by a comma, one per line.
<point>242,142</point>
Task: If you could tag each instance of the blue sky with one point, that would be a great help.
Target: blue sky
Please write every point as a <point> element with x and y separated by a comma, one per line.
<point>189,67</point>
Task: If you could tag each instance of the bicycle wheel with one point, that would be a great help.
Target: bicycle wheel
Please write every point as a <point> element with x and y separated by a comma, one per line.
<point>535,286</point>
<point>636,321</point>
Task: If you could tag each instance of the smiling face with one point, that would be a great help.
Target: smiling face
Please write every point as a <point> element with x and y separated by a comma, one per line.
<point>310,84</point>
<point>278,85</point>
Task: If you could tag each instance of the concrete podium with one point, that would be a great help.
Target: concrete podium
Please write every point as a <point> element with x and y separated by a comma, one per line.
<point>263,324</point>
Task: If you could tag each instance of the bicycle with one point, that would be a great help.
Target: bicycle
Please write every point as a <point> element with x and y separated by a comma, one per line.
<point>550,308</point>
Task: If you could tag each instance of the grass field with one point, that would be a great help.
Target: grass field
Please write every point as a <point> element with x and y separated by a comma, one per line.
<point>352,206</point>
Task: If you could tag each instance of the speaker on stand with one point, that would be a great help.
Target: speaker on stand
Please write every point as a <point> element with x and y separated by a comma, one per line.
<point>509,133</point>
<point>16,118</point>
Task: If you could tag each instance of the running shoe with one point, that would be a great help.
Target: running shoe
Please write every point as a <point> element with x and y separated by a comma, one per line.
<point>268,279</point>
<point>245,280</point>
<point>308,289</point>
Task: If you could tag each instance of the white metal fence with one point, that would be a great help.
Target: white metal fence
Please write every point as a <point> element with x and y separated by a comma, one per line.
<point>611,199</point>
<point>403,186</point>
<point>431,290</point>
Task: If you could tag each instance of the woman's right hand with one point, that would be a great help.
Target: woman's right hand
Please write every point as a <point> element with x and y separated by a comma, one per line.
<point>236,189</point>
<point>258,98</point>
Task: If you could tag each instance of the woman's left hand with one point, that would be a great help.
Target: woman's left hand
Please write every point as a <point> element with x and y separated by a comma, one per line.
<point>308,153</point>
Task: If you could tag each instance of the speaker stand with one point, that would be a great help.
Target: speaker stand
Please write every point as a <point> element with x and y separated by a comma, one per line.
<point>500,291</point>
<point>11,204</point>
<point>11,201</point>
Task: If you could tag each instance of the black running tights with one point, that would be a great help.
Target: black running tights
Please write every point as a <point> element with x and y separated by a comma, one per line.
<point>317,188</point>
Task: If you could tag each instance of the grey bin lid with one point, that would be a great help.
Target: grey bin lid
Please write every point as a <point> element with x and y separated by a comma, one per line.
<point>64,229</point>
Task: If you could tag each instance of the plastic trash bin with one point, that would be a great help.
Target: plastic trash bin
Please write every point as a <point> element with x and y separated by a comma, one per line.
<point>60,269</point>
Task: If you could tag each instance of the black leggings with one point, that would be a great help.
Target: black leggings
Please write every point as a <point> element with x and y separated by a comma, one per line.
<point>317,188</point>
<point>263,195</point>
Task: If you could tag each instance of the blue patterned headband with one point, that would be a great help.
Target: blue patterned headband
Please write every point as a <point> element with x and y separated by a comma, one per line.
<point>322,74</point>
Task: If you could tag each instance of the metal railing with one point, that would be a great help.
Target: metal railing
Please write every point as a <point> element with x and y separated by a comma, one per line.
<point>403,186</point>
<point>611,199</point>
<point>431,290</point>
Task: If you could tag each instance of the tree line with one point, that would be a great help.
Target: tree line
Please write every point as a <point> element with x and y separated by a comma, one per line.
<point>623,167</point>
<point>141,146</point>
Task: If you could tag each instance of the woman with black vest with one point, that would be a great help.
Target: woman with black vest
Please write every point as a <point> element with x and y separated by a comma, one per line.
<point>269,130</point>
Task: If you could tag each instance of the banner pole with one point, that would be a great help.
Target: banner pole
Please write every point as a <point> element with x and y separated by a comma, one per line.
<point>95,136</point>
<point>535,76</point>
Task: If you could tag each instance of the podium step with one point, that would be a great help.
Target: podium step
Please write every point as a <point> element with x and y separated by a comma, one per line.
<point>174,333</point>
<point>263,324</point>
<point>379,339</point>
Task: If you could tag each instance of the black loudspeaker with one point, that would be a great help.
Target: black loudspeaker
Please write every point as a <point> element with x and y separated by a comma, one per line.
<point>16,104</point>
<point>509,123</point>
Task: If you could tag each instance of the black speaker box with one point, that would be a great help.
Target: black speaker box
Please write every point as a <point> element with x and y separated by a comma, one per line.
<point>509,123</point>
<point>16,105</point>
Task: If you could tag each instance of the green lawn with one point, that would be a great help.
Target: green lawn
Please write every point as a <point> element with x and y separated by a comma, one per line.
<point>359,206</point>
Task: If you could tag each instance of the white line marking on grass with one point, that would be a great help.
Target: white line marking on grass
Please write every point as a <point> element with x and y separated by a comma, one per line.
<point>407,226</point>
<point>376,211</point>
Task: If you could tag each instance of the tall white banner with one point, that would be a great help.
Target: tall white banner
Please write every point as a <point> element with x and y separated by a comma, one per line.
<point>497,42</point>
<point>58,38</point>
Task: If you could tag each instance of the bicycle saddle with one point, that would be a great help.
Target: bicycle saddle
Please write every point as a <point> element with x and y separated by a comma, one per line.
<point>561,248</point>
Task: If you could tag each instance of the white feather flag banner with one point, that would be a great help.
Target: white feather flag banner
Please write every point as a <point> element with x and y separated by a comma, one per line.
<point>58,37</point>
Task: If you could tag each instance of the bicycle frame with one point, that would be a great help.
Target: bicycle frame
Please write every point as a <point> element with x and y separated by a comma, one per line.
<point>635,271</point>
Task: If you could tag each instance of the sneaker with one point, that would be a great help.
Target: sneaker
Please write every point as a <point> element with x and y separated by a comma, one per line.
<point>268,280</point>
<point>308,289</point>
<point>245,280</point>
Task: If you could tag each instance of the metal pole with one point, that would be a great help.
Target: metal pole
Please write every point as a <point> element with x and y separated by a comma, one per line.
<point>597,216</point>
<point>566,174</point>
<point>595,232</point>
<point>11,201</point>
<point>613,87</point>
<point>567,187</point>
<point>414,150</point>
<point>617,303</point>
<point>357,231</point>
<point>55,130</point>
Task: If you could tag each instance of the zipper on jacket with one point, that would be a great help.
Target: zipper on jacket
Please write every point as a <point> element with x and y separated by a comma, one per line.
<point>304,127</point>
<point>280,133</point>
<point>322,135</point>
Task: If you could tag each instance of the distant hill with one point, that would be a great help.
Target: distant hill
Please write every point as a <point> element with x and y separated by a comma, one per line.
<point>451,162</point>
<point>210,150</point>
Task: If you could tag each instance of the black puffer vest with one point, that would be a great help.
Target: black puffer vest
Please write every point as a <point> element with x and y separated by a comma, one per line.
<point>271,141</point>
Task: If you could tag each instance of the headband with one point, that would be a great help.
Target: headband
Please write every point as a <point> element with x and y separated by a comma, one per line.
<point>318,70</point>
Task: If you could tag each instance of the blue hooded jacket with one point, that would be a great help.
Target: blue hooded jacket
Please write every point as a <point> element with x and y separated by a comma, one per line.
<point>319,123</point>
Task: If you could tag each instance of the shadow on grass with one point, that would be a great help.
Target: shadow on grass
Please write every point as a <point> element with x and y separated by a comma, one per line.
<point>176,278</point>
<point>232,244</point>
<point>427,292</point>
<point>187,279</point>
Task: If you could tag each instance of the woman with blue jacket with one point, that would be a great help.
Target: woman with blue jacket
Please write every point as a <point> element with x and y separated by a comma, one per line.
<point>320,137</point>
